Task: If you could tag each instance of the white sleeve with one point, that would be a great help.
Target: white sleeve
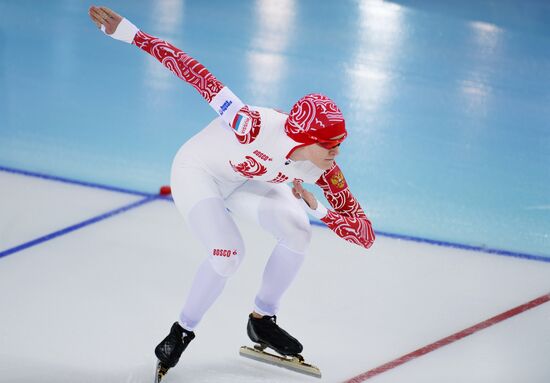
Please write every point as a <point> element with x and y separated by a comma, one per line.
<point>124,32</point>
<point>318,213</point>
<point>226,104</point>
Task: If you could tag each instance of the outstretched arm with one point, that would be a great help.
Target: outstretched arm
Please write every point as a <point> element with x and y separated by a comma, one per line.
<point>181,64</point>
<point>220,97</point>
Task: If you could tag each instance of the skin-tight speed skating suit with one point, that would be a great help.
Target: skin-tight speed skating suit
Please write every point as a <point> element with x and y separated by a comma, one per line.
<point>240,162</point>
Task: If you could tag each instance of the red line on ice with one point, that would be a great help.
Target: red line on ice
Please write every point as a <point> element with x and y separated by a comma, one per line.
<point>450,339</point>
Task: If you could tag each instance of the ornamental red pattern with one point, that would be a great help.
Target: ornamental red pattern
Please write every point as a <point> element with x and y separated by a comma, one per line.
<point>254,115</point>
<point>249,168</point>
<point>311,113</point>
<point>355,230</point>
<point>279,179</point>
<point>348,220</point>
<point>181,64</point>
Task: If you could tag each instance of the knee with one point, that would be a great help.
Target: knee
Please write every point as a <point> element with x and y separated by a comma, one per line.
<point>226,260</point>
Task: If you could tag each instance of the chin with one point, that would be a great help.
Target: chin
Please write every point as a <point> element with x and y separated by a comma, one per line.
<point>326,165</point>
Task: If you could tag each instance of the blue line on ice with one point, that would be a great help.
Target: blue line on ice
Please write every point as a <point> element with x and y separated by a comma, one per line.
<point>77,226</point>
<point>150,196</point>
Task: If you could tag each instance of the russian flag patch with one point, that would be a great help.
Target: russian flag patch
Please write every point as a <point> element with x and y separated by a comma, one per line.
<point>241,124</point>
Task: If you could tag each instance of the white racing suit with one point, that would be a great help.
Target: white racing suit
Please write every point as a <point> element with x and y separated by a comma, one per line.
<point>239,164</point>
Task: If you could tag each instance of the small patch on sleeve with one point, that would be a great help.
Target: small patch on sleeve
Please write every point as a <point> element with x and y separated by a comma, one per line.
<point>242,124</point>
<point>336,180</point>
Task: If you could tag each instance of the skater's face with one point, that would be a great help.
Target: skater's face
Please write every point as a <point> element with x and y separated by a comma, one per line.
<point>321,156</point>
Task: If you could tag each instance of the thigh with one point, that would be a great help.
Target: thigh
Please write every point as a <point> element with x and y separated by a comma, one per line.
<point>190,185</point>
<point>214,227</point>
<point>247,200</point>
<point>199,198</point>
<point>274,208</point>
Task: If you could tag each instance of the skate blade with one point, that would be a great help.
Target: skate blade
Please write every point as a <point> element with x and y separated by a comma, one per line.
<point>160,372</point>
<point>291,363</point>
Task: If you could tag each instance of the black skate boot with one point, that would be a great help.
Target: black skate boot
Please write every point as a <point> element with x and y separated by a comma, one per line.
<point>267,333</point>
<point>170,349</point>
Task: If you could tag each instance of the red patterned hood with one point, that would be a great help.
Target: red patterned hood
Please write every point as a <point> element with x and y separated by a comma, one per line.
<point>314,118</point>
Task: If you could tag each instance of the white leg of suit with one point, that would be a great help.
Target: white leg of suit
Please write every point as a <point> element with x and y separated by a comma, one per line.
<point>277,211</point>
<point>203,201</point>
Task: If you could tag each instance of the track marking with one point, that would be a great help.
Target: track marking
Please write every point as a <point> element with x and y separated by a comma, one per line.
<point>482,249</point>
<point>77,226</point>
<point>72,181</point>
<point>450,339</point>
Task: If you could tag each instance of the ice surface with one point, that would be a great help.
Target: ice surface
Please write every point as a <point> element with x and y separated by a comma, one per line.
<point>91,305</point>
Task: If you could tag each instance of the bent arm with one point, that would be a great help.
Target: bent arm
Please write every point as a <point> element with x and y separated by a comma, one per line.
<point>348,220</point>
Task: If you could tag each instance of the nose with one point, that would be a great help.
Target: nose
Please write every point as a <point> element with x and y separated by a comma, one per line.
<point>335,151</point>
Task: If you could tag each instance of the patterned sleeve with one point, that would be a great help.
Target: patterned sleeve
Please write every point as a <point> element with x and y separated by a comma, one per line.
<point>244,122</point>
<point>348,220</point>
<point>181,64</point>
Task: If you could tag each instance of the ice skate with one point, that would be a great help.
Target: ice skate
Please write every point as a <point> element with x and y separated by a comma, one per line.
<point>266,333</point>
<point>170,349</point>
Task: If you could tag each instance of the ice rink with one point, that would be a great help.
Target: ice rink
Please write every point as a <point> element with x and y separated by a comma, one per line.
<point>447,105</point>
<point>89,300</point>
